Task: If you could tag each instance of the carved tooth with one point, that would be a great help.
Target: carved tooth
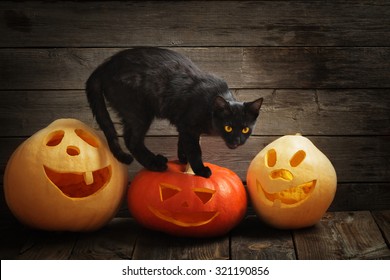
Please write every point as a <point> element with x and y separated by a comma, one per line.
<point>88,177</point>
<point>277,203</point>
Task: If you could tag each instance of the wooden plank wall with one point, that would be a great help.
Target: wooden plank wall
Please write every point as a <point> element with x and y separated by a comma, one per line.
<point>323,68</point>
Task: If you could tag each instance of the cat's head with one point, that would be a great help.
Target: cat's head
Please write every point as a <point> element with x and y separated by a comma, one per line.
<point>234,120</point>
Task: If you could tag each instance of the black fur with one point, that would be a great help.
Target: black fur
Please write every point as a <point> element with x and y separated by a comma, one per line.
<point>146,83</point>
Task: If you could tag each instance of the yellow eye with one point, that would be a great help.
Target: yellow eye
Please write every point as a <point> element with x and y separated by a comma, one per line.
<point>228,128</point>
<point>245,130</point>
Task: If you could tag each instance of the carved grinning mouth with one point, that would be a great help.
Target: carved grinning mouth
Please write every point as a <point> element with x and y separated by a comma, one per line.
<point>79,184</point>
<point>185,219</point>
<point>289,196</point>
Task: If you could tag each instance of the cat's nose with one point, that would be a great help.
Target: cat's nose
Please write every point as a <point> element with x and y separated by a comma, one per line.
<point>232,146</point>
<point>239,141</point>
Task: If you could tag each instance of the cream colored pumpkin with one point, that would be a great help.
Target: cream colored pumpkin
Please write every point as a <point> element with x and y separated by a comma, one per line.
<point>64,177</point>
<point>291,183</point>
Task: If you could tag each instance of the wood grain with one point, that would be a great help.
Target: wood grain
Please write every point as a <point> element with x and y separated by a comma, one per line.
<point>356,159</point>
<point>342,235</point>
<point>309,112</point>
<point>361,196</point>
<point>43,245</point>
<point>382,218</point>
<point>115,241</point>
<point>339,235</point>
<point>194,23</point>
<point>12,239</point>
<point>321,66</point>
<point>253,240</point>
<point>159,246</point>
<point>267,67</point>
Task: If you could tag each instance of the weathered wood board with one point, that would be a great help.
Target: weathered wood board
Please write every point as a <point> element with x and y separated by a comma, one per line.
<point>323,69</point>
<point>253,240</point>
<point>195,23</point>
<point>342,235</point>
<point>284,111</point>
<point>356,159</point>
<point>339,235</point>
<point>241,67</point>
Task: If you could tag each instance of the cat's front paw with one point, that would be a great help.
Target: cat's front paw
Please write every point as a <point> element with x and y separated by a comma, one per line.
<point>203,172</point>
<point>159,163</point>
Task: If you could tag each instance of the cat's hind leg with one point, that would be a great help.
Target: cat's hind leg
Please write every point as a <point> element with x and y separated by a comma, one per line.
<point>134,135</point>
<point>119,154</point>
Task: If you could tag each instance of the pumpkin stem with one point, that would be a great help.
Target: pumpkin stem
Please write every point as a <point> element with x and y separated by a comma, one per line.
<point>189,170</point>
<point>188,167</point>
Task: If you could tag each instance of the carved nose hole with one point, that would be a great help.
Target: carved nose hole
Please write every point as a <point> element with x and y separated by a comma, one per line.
<point>184,204</point>
<point>282,174</point>
<point>72,151</point>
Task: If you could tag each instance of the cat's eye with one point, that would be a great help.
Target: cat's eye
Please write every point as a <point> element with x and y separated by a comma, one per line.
<point>245,130</point>
<point>228,128</point>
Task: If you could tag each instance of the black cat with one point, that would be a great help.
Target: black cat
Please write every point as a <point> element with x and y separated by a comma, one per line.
<point>141,84</point>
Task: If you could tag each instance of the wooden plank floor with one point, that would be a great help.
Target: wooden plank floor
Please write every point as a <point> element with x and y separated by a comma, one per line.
<point>339,235</point>
<point>322,68</point>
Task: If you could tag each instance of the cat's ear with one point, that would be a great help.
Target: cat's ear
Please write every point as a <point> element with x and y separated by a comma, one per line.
<point>254,106</point>
<point>221,105</point>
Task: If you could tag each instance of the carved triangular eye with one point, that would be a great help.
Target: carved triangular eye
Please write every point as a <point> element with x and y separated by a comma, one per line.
<point>167,191</point>
<point>297,158</point>
<point>205,195</point>
<point>271,158</point>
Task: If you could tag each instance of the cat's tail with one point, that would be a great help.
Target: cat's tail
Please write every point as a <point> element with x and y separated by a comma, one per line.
<point>99,109</point>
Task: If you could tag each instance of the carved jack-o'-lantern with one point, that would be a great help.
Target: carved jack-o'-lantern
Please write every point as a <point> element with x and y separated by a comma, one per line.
<point>64,177</point>
<point>182,204</point>
<point>291,183</point>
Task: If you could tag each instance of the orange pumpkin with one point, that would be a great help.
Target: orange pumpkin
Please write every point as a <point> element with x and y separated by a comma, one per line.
<point>183,204</point>
<point>64,177</point>
<point>291,183</point>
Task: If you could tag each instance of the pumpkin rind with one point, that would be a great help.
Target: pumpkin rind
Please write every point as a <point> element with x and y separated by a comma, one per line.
<point>58,155</point>
<point>291,183</point>
<point>186,205</point>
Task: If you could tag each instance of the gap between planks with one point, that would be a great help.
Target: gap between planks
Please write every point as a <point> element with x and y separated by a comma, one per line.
<point>339,235</point>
